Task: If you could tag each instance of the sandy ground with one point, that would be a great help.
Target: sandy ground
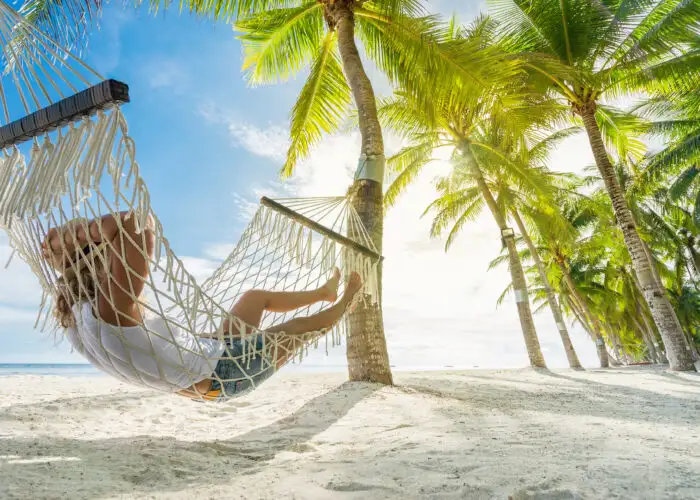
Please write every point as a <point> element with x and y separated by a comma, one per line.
<point>625,433</point>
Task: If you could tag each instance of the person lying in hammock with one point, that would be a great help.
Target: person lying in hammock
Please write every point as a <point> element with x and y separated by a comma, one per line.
<point>104,319</point>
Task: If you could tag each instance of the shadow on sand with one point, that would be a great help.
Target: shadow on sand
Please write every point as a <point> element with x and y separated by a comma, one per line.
<point>577,395</point>
<point>165,464</point>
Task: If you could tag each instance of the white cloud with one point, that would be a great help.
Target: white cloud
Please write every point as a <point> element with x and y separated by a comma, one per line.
<point>218,251</point>
<point>15,315</point>
<point>108,57</point>
<point>270,142</point>
<point>267,142</point>
<point>18,287</point>
<point>163,72</point>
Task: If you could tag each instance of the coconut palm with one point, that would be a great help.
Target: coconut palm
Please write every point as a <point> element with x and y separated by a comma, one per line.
<point>462,196</point>
<point>279,43</point>
<point>550,294</point>
<point>530,212</point>
<point>586,51</point>
<point>480,128</point>
<point>558,240</point>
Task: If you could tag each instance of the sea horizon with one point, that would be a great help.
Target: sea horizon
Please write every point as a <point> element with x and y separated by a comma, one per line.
<point>86,369</point>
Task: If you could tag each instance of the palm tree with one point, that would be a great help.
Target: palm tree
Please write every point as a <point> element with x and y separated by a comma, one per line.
<point>478,127</point>
<point>584,51</point>
<point>282,41</point>
<point>571,356</point>
<point>462,197</point>
<point>528,211</point>
<point>678,124</point>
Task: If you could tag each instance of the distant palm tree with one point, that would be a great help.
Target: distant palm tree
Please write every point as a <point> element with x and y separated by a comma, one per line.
<point>585,51</point>
<point>531,212</point>
<point>558,244</point>
<point>678,124</point>
<point>480,127</point>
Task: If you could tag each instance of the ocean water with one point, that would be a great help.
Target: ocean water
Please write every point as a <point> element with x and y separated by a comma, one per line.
<point>60,369</point>
<point>86,370</point>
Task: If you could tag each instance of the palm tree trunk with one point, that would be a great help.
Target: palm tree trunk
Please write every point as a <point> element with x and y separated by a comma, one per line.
<point>578,314</point>
<point>652,264</point>
<point>527,323</point>
<point>654,294</point>
<point>643,312</point>
<point>551,298</point>
<point>368,358</point>
<point>651,349</point>
<point>596,330</point>
<point>619,355</point>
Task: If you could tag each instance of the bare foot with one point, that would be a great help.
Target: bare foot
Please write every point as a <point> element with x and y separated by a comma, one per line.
<point>351,288</point>
<point>330,289</point>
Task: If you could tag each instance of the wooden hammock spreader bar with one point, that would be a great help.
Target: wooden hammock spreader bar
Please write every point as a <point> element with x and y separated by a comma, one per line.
<point>343,240</point>
<point>101,96</point>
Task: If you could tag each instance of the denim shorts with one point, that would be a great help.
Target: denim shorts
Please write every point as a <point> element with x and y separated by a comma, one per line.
<point>235,374</point>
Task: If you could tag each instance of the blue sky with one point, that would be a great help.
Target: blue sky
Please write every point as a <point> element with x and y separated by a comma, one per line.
<point>209,145</point>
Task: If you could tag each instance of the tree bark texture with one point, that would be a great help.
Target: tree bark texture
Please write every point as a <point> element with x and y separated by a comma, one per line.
<point>551,297</point>
<point>595,324</point>
<point>662,311</point>
<point>527,324</point>
<point>368,358</point>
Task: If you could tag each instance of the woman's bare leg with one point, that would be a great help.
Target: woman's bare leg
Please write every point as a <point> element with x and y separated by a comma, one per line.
<point>295,329</point>
<point>252,304</point>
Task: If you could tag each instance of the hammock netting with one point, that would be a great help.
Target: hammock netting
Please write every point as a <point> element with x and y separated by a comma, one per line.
<point>67,156</point>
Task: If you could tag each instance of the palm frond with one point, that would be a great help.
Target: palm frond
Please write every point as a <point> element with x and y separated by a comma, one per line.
<point>469,214</point>
<point>401,115</point>
<point>407,163</point>
<point>504,294</point>
<point>67,22</point>
<point>621,131</point>
<point>656,29</point>
<point>278,43</point>
<point>498,261</point>
<point>542,149</point>
<point>321,104</point>
<point>451,207</point>
<point>681,186</point>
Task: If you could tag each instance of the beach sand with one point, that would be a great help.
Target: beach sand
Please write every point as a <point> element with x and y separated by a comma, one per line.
<point>619,433</point>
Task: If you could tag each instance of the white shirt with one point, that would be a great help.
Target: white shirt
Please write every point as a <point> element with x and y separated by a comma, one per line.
<point>159,355</point>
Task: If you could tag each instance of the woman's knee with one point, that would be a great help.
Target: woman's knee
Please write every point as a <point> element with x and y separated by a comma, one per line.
<point>249,307</point>
<point>252,298</point>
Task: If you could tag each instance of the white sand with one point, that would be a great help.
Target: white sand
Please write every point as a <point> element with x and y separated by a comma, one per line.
<point>631,433</point>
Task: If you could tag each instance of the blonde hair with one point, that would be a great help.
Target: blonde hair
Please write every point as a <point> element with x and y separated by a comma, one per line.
<point>73,289</point>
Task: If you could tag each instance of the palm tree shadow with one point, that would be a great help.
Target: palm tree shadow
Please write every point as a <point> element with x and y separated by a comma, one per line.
<point>688,378</point>
<point>141,464</point>
<point>624,390</point>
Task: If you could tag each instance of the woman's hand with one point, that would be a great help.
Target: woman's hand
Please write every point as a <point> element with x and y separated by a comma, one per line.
<point>64,245</point>
<point>61,244</point>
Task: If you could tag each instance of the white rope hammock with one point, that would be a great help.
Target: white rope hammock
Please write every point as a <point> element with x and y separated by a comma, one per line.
<point>86,168</point>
